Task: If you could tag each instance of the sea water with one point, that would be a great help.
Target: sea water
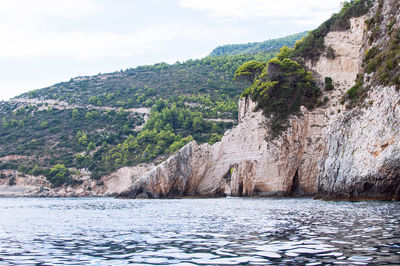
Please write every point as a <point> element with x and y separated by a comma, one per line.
<point>223,231</point>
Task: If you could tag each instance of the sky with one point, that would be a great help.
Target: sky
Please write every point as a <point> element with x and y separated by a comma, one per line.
<point>43,42</point>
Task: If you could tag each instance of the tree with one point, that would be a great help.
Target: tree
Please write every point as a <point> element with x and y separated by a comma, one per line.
<point>126,129</point>
<point>330,53</point>
<point>75,114</point>
<point>249,70</point>
<point>59,175</point>
<point>90,146</point>
<point>44,124</point>
<point>328,84</point>
<point>5,123</point>
<point>82,138</point>
<point>90,115</point>
<point>284,52</point>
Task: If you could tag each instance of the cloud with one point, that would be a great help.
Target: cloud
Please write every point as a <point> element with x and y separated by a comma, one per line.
<point>65,38</point>
<point>26,9</point>
<point>81,45</point>
<point>239,9</point>
<point>20,43</point>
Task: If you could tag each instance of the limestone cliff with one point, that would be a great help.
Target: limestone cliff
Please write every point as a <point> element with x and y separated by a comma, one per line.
<point>363,159</point>
<point>243,163</point>
<point>333,151</point>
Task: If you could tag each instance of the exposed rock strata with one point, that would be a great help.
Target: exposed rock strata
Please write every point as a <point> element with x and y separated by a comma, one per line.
<point>364,150</point>
<point>339,154</point>
<point>244,162</point>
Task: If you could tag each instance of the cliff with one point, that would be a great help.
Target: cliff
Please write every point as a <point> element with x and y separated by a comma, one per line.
<point>347,147</point>
<point>363,160</point>
<point>334,151</point>
<point>243,163</point>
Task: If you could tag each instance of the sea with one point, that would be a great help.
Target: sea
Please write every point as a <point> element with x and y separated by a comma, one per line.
<point>218,231</point>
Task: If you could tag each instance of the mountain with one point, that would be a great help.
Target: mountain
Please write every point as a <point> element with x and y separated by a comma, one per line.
<point>320,119</point>
<point>336,142</point>
<point>88,127</point>
<point>272,45</point>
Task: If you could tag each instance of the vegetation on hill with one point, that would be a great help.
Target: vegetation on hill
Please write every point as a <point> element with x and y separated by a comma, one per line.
<point>142,86</point>
<point>279,87</point>
<point>48,136</point>
<point>90,122</point>
<point>258,47</point>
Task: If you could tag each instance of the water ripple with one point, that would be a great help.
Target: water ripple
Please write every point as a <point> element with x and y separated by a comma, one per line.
<point>198,231</point>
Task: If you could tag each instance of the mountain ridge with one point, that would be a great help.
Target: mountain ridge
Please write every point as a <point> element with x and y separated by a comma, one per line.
<point>257,47</point>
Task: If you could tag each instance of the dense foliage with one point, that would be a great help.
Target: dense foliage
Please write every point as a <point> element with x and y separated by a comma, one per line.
<point>280,89</point>
<point>48,136</point>
<point>142,86</point>
<point>258,47</point>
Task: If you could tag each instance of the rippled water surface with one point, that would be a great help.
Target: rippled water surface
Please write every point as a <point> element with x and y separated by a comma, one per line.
<point>198,231</point>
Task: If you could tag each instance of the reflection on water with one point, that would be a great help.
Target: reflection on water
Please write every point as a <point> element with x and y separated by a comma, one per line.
<point>198,231</point>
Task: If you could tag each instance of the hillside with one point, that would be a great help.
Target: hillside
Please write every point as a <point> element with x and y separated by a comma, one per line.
<point>272,45</point>
<point>97,124</point>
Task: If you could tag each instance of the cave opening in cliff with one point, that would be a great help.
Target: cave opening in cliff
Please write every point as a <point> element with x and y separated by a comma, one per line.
<point>295,189</point>
<point>240,192</point>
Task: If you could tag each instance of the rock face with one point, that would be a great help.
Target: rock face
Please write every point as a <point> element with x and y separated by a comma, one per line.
<point>364,151</point>
<point>330,152</point>
<point>363,144</point>
<point>244,162</point>
<point>349,48</point>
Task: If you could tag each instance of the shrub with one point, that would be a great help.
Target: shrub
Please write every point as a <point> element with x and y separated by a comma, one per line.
<point>354,93</point>
<point>44,124</point>
<point>60,175</point>
<point>328,84</point>
<point>11,181</point>
<point>330,53</point>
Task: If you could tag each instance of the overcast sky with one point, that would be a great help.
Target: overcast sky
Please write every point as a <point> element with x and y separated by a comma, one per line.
<point>43,42</point>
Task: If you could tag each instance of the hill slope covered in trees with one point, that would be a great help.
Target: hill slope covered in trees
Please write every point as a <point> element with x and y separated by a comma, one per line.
<point>258,47</point>
<point>103,122</point>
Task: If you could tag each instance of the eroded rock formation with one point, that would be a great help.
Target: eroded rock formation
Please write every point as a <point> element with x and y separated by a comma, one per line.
<point>364,151</point>
<point>244,162</point>
<point>331,152</point>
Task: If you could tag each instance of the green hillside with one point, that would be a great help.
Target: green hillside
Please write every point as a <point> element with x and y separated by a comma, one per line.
<point>258,47</point>
<point>103,122</point>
